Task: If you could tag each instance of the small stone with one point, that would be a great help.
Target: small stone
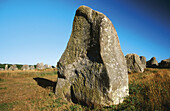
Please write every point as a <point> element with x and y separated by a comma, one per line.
<point>6,67</point>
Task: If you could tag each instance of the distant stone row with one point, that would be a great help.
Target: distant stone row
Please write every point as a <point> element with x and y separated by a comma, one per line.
<point>26,67</point>
<point>137,63</point>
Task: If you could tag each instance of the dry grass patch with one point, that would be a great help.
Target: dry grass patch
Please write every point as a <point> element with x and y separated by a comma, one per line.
<point>151,89</point>
<point>33,91</point>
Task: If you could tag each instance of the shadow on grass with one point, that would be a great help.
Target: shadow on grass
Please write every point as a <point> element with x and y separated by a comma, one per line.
<point>45,83</point>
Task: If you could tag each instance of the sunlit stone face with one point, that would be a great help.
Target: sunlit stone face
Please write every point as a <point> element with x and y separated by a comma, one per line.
<point>93,69</point>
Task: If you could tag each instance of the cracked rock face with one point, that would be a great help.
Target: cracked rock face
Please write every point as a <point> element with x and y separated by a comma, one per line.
<point>143,60</point>
<point>134,63</point>
<point>92,70</point>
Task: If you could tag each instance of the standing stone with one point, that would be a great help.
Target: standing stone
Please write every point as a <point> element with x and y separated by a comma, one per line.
<point>152,62</point>
<point>40,65</point>
<point>1,69</point>
<point>93,70</point>
<point>32,67</point>
<point>134,63</point>
<point>6,67</point>
<point>13,68</point>
<point>25,67</point>
<point>165,63</point>
<point>49,66</point>
<point>46,66</point>
<point>10,68</point>
<point>143,60</point>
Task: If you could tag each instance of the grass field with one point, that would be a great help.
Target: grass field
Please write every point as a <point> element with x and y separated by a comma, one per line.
<point>34,91</point>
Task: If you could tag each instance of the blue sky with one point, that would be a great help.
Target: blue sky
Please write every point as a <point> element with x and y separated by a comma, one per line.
<point>34,31</point>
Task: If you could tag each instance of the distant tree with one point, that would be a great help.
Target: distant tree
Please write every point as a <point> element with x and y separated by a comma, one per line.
<point>19,66</point>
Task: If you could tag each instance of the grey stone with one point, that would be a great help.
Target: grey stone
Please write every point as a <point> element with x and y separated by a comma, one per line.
<point>6,67</point>
<point>25,67</point>
<point>10,68</point>
<point>49,66</point>
<point>1,69</point>
<point>40,65</point>
<point>13,67</point>
<point>93,70</point>
<point>32,67</point>
<point>46,66</point>
<point>143,60</point>
<point>134,63</point>
<point>165,63</point>
<point>152,62</point>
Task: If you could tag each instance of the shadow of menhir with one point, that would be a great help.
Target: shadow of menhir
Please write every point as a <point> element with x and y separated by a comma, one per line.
<point>45,83</point>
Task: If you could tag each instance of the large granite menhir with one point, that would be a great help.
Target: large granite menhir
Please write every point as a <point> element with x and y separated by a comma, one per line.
<point>93,70</point>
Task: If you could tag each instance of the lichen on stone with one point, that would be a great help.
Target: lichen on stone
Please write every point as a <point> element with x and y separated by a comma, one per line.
<point>93,65</point>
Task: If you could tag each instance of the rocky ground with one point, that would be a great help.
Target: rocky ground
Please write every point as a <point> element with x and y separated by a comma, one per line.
<point>33,91</point>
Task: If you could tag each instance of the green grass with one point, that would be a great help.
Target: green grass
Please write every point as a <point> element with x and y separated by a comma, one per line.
<point>3,88</point>
<point>52,102</point>
<point>2,80</point>
<point>6,106</point>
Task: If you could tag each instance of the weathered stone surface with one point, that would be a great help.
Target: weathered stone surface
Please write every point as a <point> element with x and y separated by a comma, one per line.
<point>165,63</point>
<point>6,67</point>
<point>134,63</point>
<point>13,68</point>
<point>152,62</point>
<point>93,69</point>
<point>143,60</point>
<point>40,65</point>
<point>25,67</point>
